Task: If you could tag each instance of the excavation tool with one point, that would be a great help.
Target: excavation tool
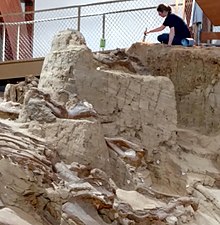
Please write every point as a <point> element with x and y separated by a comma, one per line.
<point>144,35</point>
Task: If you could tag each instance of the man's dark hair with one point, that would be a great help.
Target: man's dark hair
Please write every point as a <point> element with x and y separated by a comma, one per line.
<point>163,7</point>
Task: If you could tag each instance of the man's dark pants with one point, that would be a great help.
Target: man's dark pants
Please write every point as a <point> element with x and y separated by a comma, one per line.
<point>164,38</point>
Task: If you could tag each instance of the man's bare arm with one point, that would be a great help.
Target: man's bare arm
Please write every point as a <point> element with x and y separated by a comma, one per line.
<point>171,36</point>
<point>158,29</point>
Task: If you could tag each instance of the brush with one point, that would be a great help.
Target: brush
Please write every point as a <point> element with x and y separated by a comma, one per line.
<point>144,35</point>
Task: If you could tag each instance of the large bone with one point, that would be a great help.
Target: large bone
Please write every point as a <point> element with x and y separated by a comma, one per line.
<point>81,110</point>
<point>130,152</point>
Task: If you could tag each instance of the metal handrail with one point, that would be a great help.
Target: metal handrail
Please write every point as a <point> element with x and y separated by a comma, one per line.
<point>66,7</point>
<point>75,17</point>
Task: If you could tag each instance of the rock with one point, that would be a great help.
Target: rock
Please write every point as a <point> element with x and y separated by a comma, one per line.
<point>38,106</point>
<point>36,110</point>
<point>10,217</point>
<point>16,92</point>
<point>125,110</point>
<point>172,220</point>
<point>1,204</point>
<point>79,141</point>
<point>69,56</point>
<point>24,174</point>
<point>140,203</point>
<point>9,110</point>
<point>79,214</point>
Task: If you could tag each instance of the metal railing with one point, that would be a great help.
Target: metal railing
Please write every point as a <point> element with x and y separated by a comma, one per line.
<point>120,23</point>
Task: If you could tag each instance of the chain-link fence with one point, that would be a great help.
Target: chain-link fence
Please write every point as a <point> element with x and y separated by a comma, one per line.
<point>120,23</point>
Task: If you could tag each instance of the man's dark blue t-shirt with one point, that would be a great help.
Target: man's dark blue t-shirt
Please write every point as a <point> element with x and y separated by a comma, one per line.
<point>181,29</point>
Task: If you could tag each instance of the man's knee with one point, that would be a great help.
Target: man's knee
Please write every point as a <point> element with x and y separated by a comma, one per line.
<point>163,38</point>
<point>160,38</point>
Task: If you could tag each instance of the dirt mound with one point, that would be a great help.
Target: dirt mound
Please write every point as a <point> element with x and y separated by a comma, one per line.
<point>107,138</point>
<point>195,75</point>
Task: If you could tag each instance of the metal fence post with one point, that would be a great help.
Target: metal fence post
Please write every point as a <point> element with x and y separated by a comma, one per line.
<point>102,41</point>
<point>79,18</point>
<point>18,41</point>
<point>103,26</point>
<point>3,42</point>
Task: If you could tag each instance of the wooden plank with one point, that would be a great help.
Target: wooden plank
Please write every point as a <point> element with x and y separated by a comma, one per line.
<point>205,36</point>
<point>211,9</point>
<point>19,69</point>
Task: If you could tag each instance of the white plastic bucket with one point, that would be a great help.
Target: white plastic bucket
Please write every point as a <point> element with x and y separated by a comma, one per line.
<point>188,42</point>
